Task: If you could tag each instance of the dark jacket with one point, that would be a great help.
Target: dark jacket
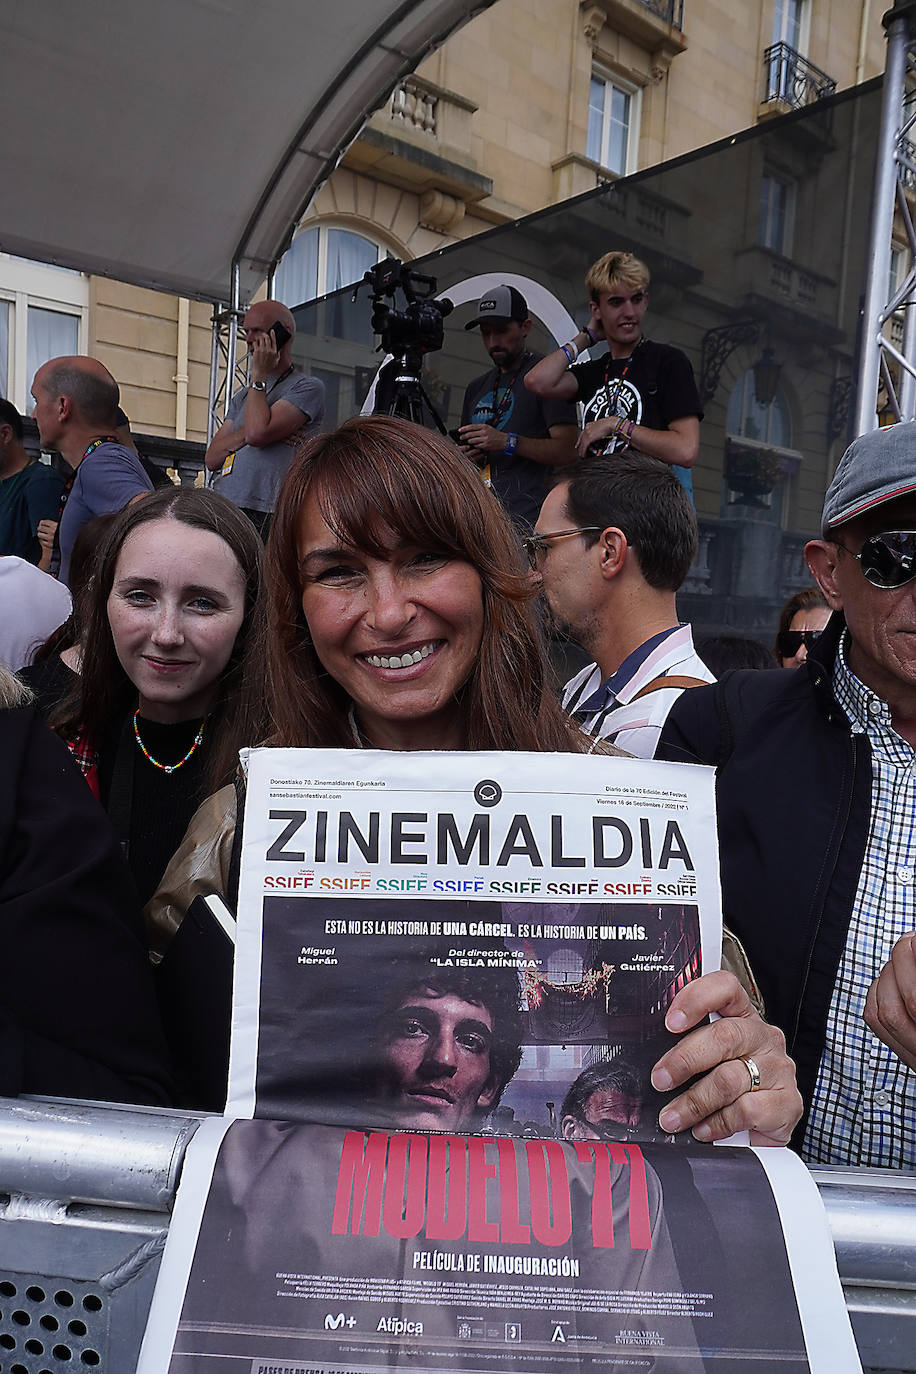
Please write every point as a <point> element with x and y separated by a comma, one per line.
<point>793,792</point>
<point>78,1016</point>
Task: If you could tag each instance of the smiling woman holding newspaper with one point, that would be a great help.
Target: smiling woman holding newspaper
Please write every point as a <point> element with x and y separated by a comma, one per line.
<point>399,617</point>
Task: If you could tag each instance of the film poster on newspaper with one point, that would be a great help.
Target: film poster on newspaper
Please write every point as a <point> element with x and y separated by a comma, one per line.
<point>452,973</point>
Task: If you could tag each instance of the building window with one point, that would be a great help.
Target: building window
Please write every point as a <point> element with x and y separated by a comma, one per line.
<point>777,203</point>
<point>321,260</point>
<point>613,124</point>
<point>900,263</point>
<point>44,314</point>
<point>770,424</point>
<point>49,334</point>
<point>790,23</point>
<point>759,461</point>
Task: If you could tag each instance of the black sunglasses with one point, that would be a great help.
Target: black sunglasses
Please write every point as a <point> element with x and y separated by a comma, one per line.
<point>888,560</point>
<point>788,642</point>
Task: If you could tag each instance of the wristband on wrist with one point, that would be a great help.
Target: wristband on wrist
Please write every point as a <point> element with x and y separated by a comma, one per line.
<point>571,350</point>
<point>592,338</point>
<point>624,429</point>
<point>511,445</point>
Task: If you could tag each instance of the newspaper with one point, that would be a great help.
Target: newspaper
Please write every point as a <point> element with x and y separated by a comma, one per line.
<point>451,979</point>
<point>584,889</point>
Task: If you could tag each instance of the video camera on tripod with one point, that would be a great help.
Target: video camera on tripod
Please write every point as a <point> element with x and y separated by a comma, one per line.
<point>407,334</point>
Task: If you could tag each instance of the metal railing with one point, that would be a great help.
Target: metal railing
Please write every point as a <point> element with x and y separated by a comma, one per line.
<point>86,1197</point>
<point>792,79</point>
<point>672,11</point>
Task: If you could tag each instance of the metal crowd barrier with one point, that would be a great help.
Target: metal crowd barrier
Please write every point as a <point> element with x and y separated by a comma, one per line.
<point>86,1194</point>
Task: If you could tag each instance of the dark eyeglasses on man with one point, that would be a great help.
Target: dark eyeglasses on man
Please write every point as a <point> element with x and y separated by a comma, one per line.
<point>888,559</point>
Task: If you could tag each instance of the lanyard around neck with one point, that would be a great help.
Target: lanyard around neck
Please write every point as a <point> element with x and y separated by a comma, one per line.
<point>105,439</point>
<point>501,403</point>
<point>611,402</point>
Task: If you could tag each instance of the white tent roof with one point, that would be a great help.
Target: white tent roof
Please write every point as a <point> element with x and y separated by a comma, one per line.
<point>160,141</point>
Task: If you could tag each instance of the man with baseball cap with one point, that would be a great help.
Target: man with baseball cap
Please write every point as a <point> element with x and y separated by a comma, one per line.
<point>513,436</point>
<point>816,789</point>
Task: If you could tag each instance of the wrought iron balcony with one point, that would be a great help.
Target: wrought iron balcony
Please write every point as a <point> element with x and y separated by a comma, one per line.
<point>906,160</point>
<point>792,79</point>
<point>672,11</point>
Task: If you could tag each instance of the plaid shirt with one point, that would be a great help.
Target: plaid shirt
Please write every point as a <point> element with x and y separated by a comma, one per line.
<point>87,758</point>
<point>864,1105</point>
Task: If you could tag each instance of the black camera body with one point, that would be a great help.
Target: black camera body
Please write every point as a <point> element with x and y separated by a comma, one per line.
<point>417,328</point>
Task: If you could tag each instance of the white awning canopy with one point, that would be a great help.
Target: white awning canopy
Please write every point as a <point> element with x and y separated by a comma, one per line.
<point>162,141</point>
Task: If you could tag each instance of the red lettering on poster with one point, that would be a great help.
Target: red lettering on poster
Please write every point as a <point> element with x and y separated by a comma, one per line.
<point>602,1199</point>
<point>447,1212</point>
<point>360,1180</point>
<point>405,1186</point>
<point>551,1211</point>
<point>511,1230</point>
<point>640,1221</point>
<point>480,1171</point>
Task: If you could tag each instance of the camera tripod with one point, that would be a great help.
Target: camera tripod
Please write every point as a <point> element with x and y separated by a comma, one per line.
<point>400,392</point>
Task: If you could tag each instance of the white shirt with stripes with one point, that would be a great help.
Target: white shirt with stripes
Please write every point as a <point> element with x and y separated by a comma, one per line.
<point>608,710</point>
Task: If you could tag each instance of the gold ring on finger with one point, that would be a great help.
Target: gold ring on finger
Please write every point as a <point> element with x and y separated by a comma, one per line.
<point>751,1066</point>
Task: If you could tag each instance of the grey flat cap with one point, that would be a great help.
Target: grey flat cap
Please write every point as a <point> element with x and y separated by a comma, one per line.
<point>876,468</point>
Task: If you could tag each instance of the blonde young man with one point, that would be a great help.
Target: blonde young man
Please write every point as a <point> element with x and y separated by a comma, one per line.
<point>640,393</point>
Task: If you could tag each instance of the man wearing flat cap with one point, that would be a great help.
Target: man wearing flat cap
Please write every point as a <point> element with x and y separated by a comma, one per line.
<point>513,436</point>
<point>816,789</point>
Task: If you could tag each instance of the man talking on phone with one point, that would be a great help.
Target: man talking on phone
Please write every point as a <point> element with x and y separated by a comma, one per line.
<point>267,419</point>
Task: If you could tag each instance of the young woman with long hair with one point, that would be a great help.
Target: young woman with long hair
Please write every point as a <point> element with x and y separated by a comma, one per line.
<point>160,710</point>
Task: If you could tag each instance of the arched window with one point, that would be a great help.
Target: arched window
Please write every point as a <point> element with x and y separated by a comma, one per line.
<point>769,424</point>
<point>759,458</point>
<point>321,260</point>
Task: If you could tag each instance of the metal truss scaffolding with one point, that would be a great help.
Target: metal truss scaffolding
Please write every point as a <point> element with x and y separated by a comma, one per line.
<point>227,371</point>
<point>884,362</point>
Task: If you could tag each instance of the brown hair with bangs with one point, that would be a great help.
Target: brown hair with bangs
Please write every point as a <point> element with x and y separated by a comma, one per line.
<point>373,477</point>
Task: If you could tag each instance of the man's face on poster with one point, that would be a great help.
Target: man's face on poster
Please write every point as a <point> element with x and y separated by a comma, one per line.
<point>609,1115</point>
<point>434,1057</point>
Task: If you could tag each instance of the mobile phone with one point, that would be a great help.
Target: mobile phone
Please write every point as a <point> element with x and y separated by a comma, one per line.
<point>281,334</point>
<point>455,434</point>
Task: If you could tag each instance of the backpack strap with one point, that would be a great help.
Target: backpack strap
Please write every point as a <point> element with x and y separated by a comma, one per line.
<point>658,683</point>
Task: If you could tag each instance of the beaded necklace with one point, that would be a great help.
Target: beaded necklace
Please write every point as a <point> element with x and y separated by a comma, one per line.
<point>166,767</point>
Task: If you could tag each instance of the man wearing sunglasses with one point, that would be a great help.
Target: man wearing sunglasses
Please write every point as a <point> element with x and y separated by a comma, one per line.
<point>816,802</point>
<point>639,394</point>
